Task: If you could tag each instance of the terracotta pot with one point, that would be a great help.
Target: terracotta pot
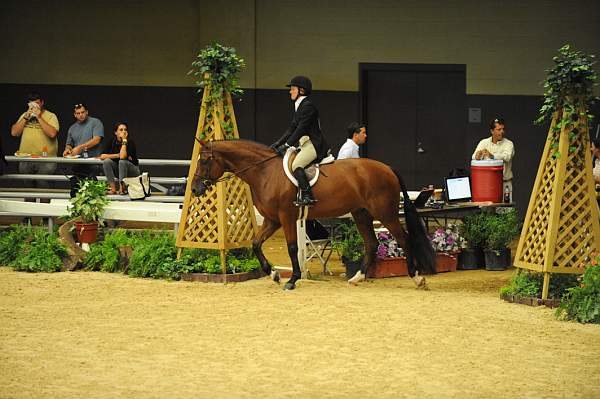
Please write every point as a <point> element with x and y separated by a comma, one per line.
<point>446,262</point>
<point>388,267</point>
<point>471,259</point>
<point>86,232</point>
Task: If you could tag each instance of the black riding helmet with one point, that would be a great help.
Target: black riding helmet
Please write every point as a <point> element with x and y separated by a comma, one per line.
<point>303,82</point>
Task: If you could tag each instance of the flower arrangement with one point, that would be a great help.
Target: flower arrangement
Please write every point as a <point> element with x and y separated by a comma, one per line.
<point>447,239</point>
<point>388,247</point>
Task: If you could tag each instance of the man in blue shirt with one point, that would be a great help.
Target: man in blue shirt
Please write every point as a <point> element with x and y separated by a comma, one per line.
<point>85,134</point>
<point>84,139</point>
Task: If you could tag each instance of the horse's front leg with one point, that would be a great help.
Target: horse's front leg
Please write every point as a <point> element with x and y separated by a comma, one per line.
<point>289,229</point>
<point>268,228</point>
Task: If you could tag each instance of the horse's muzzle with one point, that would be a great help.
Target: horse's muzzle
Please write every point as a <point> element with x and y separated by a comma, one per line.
<point>198,189</point>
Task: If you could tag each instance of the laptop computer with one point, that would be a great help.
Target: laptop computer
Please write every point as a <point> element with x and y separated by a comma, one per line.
<point>457,189</point>
<point>421,200</point>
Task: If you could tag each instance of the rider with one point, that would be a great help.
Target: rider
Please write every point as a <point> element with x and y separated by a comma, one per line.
<point>305,134</point>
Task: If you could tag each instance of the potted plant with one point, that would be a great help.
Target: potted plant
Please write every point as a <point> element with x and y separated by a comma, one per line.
<point>447,243</point>
<point>87,208</point>
<point>351,248</point>
<point>391,261</point>
<point>502,229</point>
<point>474,231</point>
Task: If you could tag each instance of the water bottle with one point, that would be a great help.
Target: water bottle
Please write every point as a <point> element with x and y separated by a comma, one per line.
<point>85,153</point>
<point>506,195</point>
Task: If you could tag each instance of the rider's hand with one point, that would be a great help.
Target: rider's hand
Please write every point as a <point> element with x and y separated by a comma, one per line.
<point>282,149</point>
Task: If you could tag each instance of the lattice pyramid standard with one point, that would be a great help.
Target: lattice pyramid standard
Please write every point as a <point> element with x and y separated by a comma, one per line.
<point>562,225</point>
<point>223,218</point>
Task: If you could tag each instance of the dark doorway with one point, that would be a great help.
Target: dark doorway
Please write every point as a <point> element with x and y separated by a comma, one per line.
<point>417,118</point>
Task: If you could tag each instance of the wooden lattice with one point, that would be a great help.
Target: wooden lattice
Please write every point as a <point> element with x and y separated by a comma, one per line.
<point>223,218</point>
<point>562,226</point>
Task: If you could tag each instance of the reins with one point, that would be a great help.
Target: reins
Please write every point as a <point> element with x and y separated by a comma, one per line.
<point>233,173</point>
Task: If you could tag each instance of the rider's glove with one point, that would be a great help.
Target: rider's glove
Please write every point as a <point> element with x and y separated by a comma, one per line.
<point>282,149</point>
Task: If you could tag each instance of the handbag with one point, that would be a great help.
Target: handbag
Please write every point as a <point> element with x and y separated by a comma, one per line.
<point>138,187</point>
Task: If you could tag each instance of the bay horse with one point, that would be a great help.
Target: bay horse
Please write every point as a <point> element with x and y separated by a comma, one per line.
<point>368,189</point>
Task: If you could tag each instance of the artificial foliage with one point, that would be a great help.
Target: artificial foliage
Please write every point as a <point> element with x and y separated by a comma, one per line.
<point>217,70</point>
<point>88,204</point>
<point>569,87</point>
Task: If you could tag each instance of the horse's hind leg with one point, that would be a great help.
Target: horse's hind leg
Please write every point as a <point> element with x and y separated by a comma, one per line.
<point>364,224</point>
<point>396,229</point>
<point>268,228</point>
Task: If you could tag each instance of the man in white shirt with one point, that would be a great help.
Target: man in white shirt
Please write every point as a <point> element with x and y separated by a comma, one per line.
<point>498,147</point>
<point>357,135</point>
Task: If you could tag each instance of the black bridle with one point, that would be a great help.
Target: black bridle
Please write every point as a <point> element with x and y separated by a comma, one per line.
<point>207,181</point>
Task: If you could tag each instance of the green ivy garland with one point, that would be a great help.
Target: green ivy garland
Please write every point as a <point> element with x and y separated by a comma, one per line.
<point>218,66</point>
<point>570,87</point>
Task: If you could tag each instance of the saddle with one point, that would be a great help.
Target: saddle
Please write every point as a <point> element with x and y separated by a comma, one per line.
<point>312,171</point>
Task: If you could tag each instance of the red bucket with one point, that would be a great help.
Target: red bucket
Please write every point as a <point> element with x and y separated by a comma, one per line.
<point>486,180</point>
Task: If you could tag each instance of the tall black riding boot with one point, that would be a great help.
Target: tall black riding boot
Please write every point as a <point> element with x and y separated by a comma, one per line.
<point>306,195</point>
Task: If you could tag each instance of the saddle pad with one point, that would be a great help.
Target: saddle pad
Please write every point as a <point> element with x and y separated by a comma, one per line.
<point>312,172</point>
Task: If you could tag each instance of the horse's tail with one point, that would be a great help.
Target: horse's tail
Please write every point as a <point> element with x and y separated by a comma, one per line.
<point>420,254</point>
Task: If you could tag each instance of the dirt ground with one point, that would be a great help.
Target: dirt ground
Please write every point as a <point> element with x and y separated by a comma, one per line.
<point>97,335</point>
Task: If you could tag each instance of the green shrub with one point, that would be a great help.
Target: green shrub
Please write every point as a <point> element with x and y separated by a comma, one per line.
<point>12,241</point>
<point>150,254</point>
<point>501,230</point>
<point>527,283</point>
<point>582,302</point>
<point>104,255</point>
<point>474,230</point>
<point>350,245</point>
<point>43,253</point>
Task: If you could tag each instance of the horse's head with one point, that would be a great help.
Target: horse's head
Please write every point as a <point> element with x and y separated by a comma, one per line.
<point>208,170</point>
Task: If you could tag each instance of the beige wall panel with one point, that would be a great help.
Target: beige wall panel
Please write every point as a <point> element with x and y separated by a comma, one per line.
<point>117,42</point>
<point>506,45</point>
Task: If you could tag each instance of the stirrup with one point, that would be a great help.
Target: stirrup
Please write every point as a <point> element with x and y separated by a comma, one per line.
<point>304,200</point>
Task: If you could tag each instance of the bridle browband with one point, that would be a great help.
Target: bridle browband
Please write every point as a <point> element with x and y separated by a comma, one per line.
<point>209,182</point>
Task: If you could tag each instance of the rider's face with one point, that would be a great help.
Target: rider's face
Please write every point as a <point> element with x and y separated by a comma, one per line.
<point>294,93</point>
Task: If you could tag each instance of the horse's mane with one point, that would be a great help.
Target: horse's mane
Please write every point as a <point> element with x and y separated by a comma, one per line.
<point>249,145</point>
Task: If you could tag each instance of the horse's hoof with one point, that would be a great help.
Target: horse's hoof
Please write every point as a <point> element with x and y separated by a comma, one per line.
<point>420,282</point>
<point>289,286</point>
<point>275,276</point>
<point>358,277</point>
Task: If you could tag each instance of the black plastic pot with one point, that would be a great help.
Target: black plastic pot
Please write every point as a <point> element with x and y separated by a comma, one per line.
<point>497,259</point>
<point>352,266</point>
<point>471,259</point>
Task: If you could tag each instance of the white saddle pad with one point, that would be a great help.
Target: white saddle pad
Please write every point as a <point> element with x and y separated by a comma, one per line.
<point>313,180</point>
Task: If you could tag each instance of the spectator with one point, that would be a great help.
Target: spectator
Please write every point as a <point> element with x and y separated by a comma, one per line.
<point>498,147</point>
<point>121,158</point>
<point>85,134</point>
<point>38,129</point>
<point>357,135</point>
<point>84,138</point>
<point>596,159</point>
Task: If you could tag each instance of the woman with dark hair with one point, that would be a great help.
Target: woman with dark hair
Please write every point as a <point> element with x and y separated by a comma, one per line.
<point>121,157</point>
